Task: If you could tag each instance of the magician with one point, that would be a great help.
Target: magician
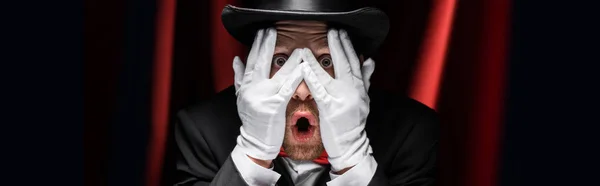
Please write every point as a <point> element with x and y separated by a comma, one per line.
<point>300,111</point>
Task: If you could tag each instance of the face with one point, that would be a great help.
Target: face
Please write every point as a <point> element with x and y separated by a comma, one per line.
<point>302,140</point>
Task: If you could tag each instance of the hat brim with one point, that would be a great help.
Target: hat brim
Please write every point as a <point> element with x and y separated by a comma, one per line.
<point>367,26</point>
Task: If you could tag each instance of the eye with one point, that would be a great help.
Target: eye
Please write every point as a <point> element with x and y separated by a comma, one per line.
<point>326,61</point>
<point>279,59</point>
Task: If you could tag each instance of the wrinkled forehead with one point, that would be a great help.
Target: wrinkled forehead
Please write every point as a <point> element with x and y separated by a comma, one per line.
<point>302,26</point>
<point>297,34</point>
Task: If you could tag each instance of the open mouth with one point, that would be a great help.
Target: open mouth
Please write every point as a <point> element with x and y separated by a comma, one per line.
<point>304,126</point>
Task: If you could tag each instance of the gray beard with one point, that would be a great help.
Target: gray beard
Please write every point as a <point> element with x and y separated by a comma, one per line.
<point>305,151</point>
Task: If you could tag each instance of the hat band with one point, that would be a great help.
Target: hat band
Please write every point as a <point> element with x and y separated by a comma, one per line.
<point>310,6</point>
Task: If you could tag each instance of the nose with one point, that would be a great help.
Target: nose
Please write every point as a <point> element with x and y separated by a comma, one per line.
<point>302,93</point>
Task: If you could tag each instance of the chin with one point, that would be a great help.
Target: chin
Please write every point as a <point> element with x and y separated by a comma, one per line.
<point>305,150</point>
<point>302,140</point>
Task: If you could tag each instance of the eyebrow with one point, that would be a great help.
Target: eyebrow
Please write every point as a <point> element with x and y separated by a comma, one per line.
<point>280,37</point>
<point>283,42</point>
<point>322,46</point>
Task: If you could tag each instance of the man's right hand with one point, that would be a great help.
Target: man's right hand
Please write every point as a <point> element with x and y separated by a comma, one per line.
<point>262,101</point>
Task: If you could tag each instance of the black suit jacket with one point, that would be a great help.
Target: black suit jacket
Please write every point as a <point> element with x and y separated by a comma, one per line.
<point>402,132</point>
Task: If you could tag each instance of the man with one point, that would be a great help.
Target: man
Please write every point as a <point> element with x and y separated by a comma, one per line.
<point>300,111</point>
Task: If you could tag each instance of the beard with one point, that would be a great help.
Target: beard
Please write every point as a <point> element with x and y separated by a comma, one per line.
<point>309,148</point>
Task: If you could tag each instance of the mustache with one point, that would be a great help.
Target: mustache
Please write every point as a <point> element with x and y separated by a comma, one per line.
<point>295,106</point>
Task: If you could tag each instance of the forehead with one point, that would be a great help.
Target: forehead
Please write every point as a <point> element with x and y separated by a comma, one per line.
<point>296,34</point>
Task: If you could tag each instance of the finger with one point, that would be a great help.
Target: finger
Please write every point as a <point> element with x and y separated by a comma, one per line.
<point>289,65</point>
<point>340,61</point>
<point>291,84</point>
<point>350,53</point>
<point>315,67</point>
<point>238,71</point>
<point>265,56</point>
<point>254,51</point>
<point>317,90</point>
<point>367,70</point>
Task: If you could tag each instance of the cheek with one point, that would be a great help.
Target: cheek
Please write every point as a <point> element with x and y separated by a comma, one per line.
<point>274,70</point>
<point>330,71</point>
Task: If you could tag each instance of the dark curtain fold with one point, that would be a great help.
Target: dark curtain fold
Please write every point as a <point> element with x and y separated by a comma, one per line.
<point>161,89</point>
<point>102,54</point>
<point>471,99</point>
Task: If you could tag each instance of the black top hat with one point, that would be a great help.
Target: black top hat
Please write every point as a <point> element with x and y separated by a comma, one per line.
<point>367,26</point>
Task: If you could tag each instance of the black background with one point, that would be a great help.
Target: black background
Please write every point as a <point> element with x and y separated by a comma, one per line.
<point>551,133</point>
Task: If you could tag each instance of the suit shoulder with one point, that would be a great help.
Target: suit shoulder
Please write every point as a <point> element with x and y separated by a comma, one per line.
<point>209,128</point>
<point>402,110</point>
<point>399,104</point>
<point>214,111</point>
<point>398,124</point>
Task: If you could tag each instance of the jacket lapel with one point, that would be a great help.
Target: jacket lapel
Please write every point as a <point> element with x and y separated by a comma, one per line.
<point>285,179</point>
<point>324,177</point>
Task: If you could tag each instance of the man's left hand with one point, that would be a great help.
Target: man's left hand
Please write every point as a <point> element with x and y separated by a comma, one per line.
<point>342,101</point>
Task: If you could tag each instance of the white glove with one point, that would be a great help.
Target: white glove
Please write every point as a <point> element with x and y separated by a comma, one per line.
<point>261,101</point>
<point>343,102</point>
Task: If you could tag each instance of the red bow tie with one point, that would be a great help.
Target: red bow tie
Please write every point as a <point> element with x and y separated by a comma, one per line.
<point>321,160</point>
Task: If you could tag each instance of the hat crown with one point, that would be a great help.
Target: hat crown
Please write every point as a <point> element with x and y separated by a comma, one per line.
<point>306,5</point>
<point>367,26</point>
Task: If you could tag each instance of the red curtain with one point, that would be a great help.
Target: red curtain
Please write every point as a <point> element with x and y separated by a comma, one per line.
<point>428,71</point>
<point>161,89</point>
<point>224,47</point>
<point>447,54</point>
